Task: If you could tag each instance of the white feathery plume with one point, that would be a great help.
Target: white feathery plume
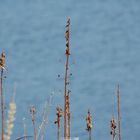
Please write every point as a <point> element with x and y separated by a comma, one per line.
<point>11,117</point>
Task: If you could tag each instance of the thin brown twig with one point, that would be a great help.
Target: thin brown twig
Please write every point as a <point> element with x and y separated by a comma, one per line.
<point>33,112</point>
<point>119,127</point>
<point>2,107</point>
<point>2,67</point>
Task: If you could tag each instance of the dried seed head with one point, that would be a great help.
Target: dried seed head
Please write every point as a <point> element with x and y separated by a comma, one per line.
<point>2,60</point>
<point>33,110</point>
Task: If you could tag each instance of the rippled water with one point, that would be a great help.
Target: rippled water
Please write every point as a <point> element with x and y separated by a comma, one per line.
<point>105,51</point>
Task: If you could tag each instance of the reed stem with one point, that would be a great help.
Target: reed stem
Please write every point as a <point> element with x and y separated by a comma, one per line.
<point>119,127</point>
<point>2,106</point>
<point>66,106</point>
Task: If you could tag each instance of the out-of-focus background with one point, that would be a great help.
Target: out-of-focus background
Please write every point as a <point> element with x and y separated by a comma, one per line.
<point>105,51</point>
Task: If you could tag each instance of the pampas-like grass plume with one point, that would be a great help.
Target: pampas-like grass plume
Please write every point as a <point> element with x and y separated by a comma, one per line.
<point>10,119</point>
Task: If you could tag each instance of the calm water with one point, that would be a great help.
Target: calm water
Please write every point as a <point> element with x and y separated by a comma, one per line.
<point>105,48</point>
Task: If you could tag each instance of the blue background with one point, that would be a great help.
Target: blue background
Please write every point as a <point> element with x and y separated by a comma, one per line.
<point>105,51</point>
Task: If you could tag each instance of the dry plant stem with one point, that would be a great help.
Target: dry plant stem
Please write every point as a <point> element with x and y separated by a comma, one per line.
<point>39,130</point>
<point>119,128</point>
<point>46,116</point>
<point>59,121</point>
<point>43,129</point>
<point>33,121</point>
<point>90,134</point>
<point>33,112</point>
<point>25,132</point>
<point>113,138</point>
<point>59,130</point>
<point>65,94</point>
<point>69,123</point>
<point>2,107</point>
<point>42,123</point>
<point>66,120</point>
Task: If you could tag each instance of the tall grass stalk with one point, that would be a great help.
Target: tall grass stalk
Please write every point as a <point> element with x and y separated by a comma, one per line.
<point>2,68</point>
<point>45,121</point>
<point>33,112</point>
<point>24,127</point>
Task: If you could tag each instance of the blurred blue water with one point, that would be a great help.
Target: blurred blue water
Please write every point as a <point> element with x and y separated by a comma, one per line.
<point>105,48</point>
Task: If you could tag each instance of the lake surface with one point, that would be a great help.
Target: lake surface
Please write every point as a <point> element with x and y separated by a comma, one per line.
<point>105,51</point>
